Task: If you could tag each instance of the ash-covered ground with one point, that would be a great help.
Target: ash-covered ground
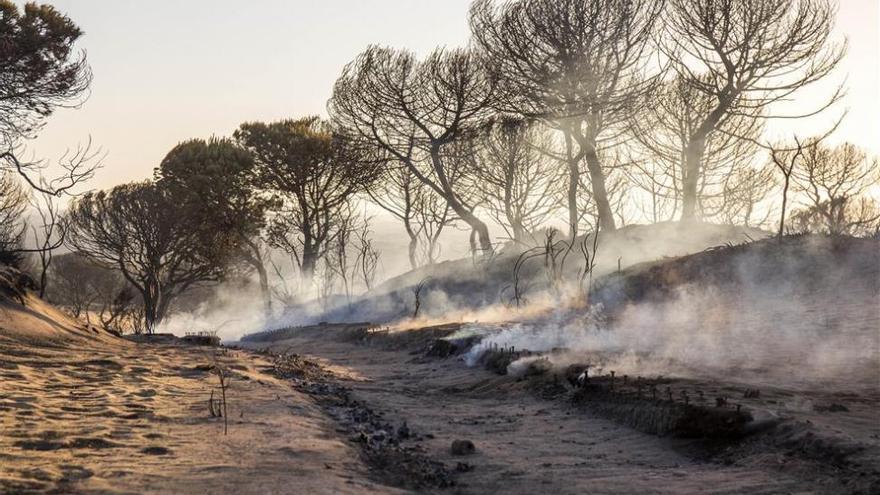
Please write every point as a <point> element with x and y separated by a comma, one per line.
<point>758,362</point>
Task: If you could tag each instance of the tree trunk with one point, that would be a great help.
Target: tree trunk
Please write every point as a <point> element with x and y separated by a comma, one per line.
<point>264,287</point>
<point>519,231</point>
<point>691,177</point>
<point>411,252</point>
<point>43,277</point>
<point>784,201</point>
<point>149,311</point>
<point>255,258</point>
<point>574,174</point>
<point>309,263</point>
<point>413,247</point>
<point>573,182</point>
<point>696,148</point>
<point>467,216</point>
<point>600,194</point>
<point>513,215</point>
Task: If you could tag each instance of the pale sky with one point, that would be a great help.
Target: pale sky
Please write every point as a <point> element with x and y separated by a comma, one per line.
<point>170,70</point>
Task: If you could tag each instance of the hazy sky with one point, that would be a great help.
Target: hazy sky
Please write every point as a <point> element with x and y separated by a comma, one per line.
<point>169,70</point>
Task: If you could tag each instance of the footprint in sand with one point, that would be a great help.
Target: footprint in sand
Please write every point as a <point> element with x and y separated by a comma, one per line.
<point>156,450</point>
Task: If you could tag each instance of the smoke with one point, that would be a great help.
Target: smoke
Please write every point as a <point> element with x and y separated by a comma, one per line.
<point>812,319</point>
<point>231,310</point>
<point>800,312</point>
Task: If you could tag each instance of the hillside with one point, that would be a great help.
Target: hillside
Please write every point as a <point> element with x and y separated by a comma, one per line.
<point>802,310</point>
<point>26,320</point>
<point>465,285</point>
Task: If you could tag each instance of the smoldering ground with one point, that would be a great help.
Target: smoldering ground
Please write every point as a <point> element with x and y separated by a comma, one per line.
<point>482,288</point>
<point>805,314</point>
<point>803,311</point>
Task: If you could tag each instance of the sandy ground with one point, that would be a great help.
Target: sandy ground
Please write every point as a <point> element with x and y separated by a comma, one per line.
<point>526,444</point>
<point>126,418</point>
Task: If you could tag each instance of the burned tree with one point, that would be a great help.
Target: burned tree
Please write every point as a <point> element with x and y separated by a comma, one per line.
<point>141,230</point>
<point>580,66</point>
<point>313,173</point>
<point>414,111</point>
<point>518,180</point>
<point>417,295</point>
<point>366,262</point>
<point>78,284</point>
<point>338,259</point>
<point>744,192</point>
<point>352,257</point>
<point>423,213</point>
<point>48,235</point>
<point>654,185</point>
<point>785,158</point>
<point>663,130</point>
<point>745,56</point>
<point>120,309</point>
<point>833,181</point>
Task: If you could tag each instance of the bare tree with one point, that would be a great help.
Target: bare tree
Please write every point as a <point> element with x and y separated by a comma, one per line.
<point>656,197</point>
<point>288,289</point>
<point>744,192</point>
<point>77,283</point>
<point>519,181</point>
<point>367,259</point>
<point>77,166</point>
<point>417,295</point>
<point>224,377</point>
<point>580,66</point>
<point>745,55</point>
<point>785,158</point>
<point>833,181</point>
<point>120,309</point>
<point>48,234</point>
<point>339,260</point>
<point>663,130</point>
<point>422,211</point>
<point>414,110</point>
<point>616,190</point>
<point>324,281</point>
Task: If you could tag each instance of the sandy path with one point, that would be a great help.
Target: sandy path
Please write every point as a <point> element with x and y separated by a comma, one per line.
<point>526,444</point>
<point>134,419</point>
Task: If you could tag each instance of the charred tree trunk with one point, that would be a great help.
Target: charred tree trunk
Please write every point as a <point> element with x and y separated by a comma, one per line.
<point>785,185</point>
<point>466,215</point>
<point>573,214</point>
<point>413,247</point>
<point>691,177</point>
<point>696,149</point>
<point>256,260</point>
<point>264,287</point>
<point>600,193</point>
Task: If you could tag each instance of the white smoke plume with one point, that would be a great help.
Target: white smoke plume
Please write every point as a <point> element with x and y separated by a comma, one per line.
<point>803,323</point>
